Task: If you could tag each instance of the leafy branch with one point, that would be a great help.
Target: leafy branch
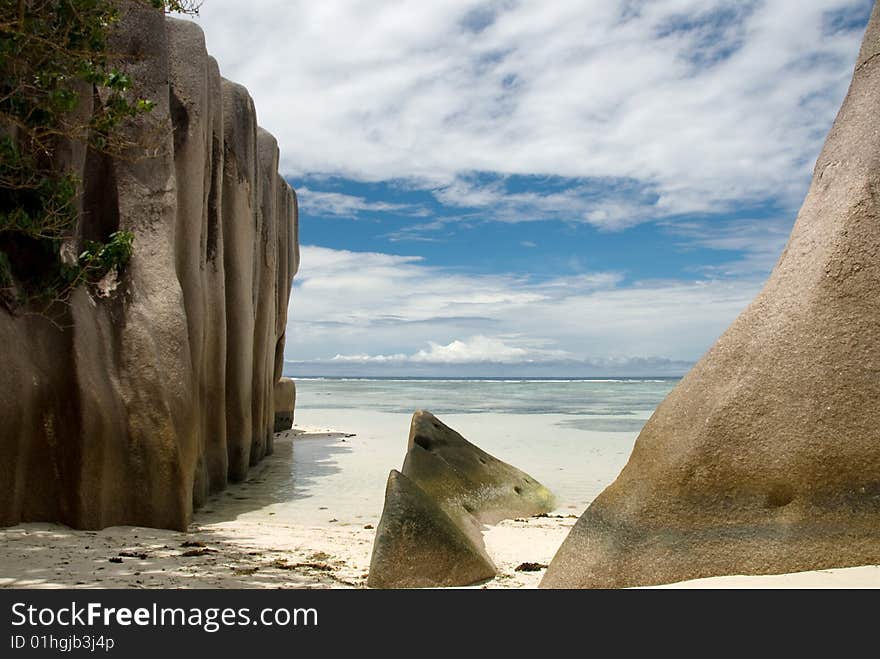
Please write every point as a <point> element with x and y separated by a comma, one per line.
<point>52,54</point>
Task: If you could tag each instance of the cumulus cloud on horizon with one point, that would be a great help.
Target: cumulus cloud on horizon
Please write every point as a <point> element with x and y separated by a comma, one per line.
<point>393,310</point>
<point>474,349</point>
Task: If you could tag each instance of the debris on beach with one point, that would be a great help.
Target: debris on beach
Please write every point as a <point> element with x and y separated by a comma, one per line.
<point>133,554</point>
<point>284,565</point>
<point>244,571</point>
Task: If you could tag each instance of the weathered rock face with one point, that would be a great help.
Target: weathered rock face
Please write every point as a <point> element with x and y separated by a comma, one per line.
<point>419,546</point>
<point>285,404</point>
<point>466,479</point>
<point>136,406</point>
<point>766,457</point>
<point>430,533</point>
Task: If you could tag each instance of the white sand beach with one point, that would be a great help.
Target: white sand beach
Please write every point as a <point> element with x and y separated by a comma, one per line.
<point>306,516</point>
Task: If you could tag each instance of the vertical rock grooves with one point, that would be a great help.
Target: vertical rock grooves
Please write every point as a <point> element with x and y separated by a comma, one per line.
<point>137,406</point>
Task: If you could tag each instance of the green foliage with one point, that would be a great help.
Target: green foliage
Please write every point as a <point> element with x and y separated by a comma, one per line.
<point>99,258</point>
<point>95,262</point>
<point>41,206</point>
<point>51,53</point>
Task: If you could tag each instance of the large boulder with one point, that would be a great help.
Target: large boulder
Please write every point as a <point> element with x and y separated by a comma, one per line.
<point>465,479</point>
<point>766,457</point>
<point>285,404</point>
<point>130,408</point>
<point>435,510</point>
<point>419,546</point>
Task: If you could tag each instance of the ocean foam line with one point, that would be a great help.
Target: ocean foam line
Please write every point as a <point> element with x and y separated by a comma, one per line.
<point>483,380</point>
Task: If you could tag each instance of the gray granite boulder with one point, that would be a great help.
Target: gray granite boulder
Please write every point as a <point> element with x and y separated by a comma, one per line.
<point>463,477</point>
<point>131,407</point>
<point>285,404</point>
<point>766,457</point>
<point>431,528</point>
<point>419,546</point>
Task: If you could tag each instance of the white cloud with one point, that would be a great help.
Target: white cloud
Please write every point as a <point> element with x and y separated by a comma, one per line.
<point>703,103</point>
<point>366,359</point>
<point>474,349</point>
<point>617,112</point>
<point>758,243</point>
<point>345,205</point>
<point>369,308</point>
<point>606,205</point>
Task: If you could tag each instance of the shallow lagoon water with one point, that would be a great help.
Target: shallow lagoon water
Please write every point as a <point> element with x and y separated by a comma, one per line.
<point>606,397</point>
<point>572,435</point>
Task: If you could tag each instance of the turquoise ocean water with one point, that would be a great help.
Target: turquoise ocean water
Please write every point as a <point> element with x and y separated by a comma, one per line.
<point>612,403</point>
<point>572,435</point>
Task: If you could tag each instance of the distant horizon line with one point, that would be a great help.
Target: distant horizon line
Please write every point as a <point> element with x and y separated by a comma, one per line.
<point>491,378</point>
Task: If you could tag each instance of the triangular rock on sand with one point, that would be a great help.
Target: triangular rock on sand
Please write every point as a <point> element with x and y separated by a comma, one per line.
<point>430,533</point>
<point>418,546</point>
<point>459,475</point>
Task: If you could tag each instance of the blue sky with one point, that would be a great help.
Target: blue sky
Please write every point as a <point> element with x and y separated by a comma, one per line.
<point>388,216</point>
<point>570,187</point>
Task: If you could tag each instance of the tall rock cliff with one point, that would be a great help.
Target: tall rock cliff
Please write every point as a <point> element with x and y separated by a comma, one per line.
<point>766,457</point>
<point>131,408</point>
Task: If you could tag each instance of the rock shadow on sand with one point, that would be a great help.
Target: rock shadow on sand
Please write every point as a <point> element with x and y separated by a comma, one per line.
<point>300,460</point>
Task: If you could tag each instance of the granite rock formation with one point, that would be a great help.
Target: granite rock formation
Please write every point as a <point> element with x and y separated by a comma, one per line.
<point>766,457</point>
<point>285,404</point>
<point>464,479</point>
<point>419,546</point>
<point>135,406</point>
<point>430,534</point>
